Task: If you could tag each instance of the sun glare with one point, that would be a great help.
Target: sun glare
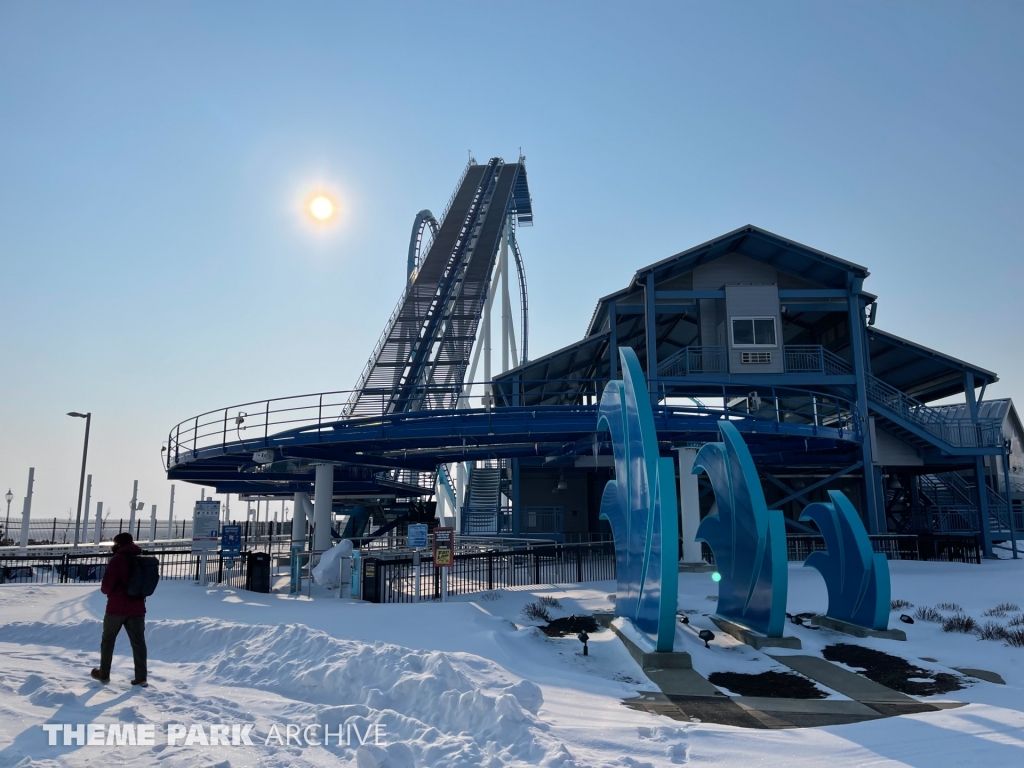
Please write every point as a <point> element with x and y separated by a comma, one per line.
<point>321,208</point>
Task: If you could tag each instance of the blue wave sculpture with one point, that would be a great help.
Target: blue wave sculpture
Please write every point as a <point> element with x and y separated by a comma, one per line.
<point>856,577</point>
<point>640,506</point>
<point>749,543</point>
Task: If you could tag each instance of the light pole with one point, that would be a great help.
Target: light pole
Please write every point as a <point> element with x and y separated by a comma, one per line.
<point>7,523</point>
<point>81,482</point>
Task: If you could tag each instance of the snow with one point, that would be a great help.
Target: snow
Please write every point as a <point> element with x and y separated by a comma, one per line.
<point>469,682</point>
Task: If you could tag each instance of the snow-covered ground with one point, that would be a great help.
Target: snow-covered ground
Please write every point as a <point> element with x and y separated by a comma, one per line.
<point>465,683</point>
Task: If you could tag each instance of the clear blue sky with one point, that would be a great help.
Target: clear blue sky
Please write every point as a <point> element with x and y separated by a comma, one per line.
<point>154,158</point>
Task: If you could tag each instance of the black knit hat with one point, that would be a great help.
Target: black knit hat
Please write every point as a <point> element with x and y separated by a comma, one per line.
<point>123,538</point>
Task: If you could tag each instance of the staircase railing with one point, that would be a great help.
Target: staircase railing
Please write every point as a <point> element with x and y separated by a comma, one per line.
<point>962,433</point>
<point>368,368</point>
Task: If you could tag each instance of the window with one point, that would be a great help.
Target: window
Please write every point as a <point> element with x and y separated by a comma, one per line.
<point>753,331</point>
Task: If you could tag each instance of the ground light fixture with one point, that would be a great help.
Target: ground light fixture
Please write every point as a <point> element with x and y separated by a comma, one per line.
<point>584,638</point>
<point>707,636</point>
<point>81,481</point>
<point>716,577</point>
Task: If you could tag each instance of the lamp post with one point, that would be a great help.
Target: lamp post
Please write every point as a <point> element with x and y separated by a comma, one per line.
<point>7,523</point>
<point>81,482</point>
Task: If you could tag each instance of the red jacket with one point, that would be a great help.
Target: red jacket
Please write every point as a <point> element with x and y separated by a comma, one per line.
<point>115,581</point>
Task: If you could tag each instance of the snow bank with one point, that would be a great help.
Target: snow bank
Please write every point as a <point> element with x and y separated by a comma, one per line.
<point>433,713</point>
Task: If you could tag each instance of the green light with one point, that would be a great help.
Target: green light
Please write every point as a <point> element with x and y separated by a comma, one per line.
<point>716,576</point>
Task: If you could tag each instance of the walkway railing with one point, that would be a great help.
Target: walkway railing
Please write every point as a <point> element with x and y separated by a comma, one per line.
<point>250,427</point>
<point>799,358</point>
<point>694,360</point>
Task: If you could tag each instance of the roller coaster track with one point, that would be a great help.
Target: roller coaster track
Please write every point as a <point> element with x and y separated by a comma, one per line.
<point>424,219</point>
<point>523,298</point>
<point>420,360</point>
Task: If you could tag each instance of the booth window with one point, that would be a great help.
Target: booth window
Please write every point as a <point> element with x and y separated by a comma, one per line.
<point>753,331</point>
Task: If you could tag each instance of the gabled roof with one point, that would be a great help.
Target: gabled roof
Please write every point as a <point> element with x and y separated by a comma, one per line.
<point>755,243</point>
<point>764,246</point>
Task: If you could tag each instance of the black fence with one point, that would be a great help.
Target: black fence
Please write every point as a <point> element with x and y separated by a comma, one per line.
<point>394,580</point>
<point>62,531</point>
<point>949,549</point>
<point>89,568</point>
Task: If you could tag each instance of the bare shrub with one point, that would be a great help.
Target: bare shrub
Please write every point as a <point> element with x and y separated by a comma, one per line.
<point>1015,637</point>
<point>536,612</point>
<point>491,596</point>
<point>1001,610</point>
<point>549,602</point>
<point>899,605</point>
<point>959,622</point>
<point>925,613</point>
<point>949,607</point>
<point>1017,621</point>
<point>991,630</point>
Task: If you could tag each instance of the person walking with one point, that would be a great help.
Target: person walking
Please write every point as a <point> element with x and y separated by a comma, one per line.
<point>122,610</point>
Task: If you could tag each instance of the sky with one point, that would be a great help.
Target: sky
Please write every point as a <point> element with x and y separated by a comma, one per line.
<point>155,158</point>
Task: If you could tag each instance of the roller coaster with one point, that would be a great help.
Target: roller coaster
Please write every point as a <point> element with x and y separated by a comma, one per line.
<point>774,336</point>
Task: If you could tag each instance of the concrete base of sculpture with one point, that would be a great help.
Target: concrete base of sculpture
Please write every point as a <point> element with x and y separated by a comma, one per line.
<point>856,630</point>
<point>695,568</point>
<point>754,639</point>
<point>648,659</point>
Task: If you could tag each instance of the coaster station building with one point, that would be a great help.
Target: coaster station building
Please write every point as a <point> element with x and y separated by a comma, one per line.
<point>775,336</point>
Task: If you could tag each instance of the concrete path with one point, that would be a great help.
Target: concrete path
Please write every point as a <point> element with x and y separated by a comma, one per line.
<point>884,700</point>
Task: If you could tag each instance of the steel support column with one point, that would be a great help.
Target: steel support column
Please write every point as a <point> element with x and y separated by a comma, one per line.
<point>651,338</point>
<point>299,503</point>
<point>323,498</point>
<point>979,471</point>
<point>613,341</point>
<point>689,498</point>
<point>873,508</point>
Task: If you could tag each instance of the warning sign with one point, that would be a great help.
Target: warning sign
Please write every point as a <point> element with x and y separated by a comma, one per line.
<point>444,547</point>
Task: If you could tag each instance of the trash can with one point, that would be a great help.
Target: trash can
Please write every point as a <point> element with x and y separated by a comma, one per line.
<point>370,581</point>
<point>257,572</point>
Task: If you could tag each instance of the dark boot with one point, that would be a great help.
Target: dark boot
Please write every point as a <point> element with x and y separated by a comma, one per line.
<point>97,675</point>
<point>141,683</point>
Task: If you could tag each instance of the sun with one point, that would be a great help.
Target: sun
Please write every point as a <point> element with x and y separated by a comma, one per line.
<point>321,208</point>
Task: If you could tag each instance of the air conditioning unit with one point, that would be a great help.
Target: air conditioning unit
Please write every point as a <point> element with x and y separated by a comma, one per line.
<point>756,358</point>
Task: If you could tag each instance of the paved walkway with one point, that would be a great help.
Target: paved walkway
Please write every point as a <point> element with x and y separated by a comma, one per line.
<point>685,695</point>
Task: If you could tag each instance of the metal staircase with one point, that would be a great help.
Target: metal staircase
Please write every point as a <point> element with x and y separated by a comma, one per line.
<point>919,424</point>
<point>953,505</point>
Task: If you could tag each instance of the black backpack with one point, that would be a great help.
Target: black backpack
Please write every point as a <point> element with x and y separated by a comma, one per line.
<point>143,576</point>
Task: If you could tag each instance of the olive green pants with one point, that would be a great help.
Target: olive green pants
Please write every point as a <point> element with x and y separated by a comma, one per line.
<point>135,628</point>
